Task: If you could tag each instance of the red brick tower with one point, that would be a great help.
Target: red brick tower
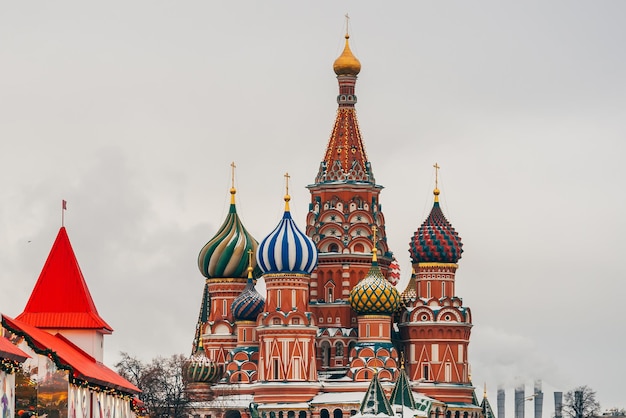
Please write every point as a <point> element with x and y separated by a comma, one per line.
<point>344,207</point>
<point>286,330</point>
<point>224,262</point>
<point>435,327</point>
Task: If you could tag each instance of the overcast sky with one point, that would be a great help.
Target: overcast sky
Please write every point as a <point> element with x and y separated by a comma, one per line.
<point>133,110</point>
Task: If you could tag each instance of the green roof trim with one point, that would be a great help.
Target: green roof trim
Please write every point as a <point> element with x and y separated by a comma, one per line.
<point>375,402</point>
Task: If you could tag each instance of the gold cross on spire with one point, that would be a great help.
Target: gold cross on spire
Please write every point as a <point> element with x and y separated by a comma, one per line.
<point>436,191</point>
<point>250,264</point>
<point>232,183</point>
<point>232,174</point>
<point>287,197</point>
<point>374,250</point>
<point>347,22</point>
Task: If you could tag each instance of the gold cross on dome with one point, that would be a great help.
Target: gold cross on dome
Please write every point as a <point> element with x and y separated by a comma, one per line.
<point>287,176</point>
<point>232,174</point>
<point>437,167</point>
<point>347,21</point>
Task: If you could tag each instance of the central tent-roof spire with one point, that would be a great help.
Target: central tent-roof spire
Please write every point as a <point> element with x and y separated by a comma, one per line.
<point>345,159</point>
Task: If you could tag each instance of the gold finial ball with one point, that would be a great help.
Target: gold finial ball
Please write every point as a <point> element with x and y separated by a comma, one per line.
<point>287,198</point>
<point>436,192</point>
<point>347,63</point>
<point>233,190</point>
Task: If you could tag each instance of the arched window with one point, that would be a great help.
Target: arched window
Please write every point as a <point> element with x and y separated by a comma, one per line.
<point>325,353</point>
<point>333,248</point>
<point>324,413</point>
<point>337,413</point>
<point>329,296</point>
<point>359,248</point>
<point>338,349</point>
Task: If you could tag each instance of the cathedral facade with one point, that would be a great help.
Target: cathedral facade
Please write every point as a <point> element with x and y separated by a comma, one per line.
<point>332,336</point>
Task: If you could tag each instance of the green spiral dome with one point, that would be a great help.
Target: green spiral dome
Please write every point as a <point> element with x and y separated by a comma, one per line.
<point>226,254</point>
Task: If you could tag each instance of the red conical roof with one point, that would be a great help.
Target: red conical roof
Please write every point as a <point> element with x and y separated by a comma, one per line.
<point>345,160</point>
<point>61,298</point>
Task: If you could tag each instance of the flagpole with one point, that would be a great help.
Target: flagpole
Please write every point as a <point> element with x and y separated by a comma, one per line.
<point>63,208</point>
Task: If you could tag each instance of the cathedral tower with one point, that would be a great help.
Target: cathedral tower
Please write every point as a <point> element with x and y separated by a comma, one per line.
<point>375,300</point>
<point>344,209</point>
<point>286,330</point>
<point>435,327</point>
<point>223,261</point>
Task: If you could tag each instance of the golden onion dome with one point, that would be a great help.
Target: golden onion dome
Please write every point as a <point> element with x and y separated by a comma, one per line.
<point>347,63</point>
<point>374,295</point>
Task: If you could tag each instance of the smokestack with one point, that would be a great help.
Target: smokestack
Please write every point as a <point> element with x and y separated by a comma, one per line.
<point>500,402</point>
<point>538,399</point>
<point>558,404</point>
<point>519,401</point>
<point>578,403</point>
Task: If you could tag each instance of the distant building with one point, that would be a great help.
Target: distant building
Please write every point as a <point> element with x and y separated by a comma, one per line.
<point>334,337</point>
<point>60,335</point>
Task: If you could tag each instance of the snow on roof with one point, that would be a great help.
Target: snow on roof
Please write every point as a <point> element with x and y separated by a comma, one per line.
<point>338,397</point>
<point>240,402</point>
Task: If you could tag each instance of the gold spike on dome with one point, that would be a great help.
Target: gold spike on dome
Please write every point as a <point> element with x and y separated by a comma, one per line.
<point>374,250</point>
<point>250,268</point>
<point>436,191</point>
<point>232,185</point>
<point>287,197</point>
<point>347,63</point>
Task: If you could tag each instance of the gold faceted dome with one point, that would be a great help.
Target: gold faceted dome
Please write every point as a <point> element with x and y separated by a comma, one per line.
<point>347,63</point>
<point>374,295</point>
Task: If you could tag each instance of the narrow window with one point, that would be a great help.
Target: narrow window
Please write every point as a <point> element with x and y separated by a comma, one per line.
<point>428,289</point>
<point>330,295</point>
<point>275,367</point>
<point>279,297</point>
<point>296,368</point>
<point>293,298</point>
<point>448,372</point>
<point>425,372</point>
<point>443,289</point>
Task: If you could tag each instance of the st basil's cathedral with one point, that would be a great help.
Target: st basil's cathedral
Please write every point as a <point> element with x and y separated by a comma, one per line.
<point>333,336</point>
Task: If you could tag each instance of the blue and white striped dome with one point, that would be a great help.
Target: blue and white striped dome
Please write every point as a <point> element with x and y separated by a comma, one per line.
<point>287,249</point>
